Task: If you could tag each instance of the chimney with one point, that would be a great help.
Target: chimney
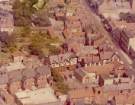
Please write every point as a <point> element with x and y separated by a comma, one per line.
<point>132,78</point>
<point>82,63</point>
<point>119,78</point>
<point>131,3</point>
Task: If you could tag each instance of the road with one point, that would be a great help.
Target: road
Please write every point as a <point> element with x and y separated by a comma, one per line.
<point>123,56</point>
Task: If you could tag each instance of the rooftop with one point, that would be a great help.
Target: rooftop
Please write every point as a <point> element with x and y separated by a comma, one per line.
<point>61,58</point>
<point>15,66</point>
<point>129,33</point>
<point>112,8</point>
<point>6,20</point>
<point>40,96</point>
<point>104,70</point>
<point>3,75</point>
<point>2,101</point>
<point>44,70</point>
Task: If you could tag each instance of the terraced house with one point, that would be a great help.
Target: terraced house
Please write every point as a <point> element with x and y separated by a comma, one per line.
<point>63,61</point>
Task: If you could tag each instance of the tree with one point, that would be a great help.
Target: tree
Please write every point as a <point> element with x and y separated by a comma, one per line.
<point>59,82</point>
<point>40,4</point>
<point>56,76</point>
<point>62,87</point>
<point>41,19</point>
<point>23,31</point>
<point>11,44</point>
<point>22,12</point>
<point>42,44</point>
<point>37,44</point>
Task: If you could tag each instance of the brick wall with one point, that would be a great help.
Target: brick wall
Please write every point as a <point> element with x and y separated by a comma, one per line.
<point>14,87</point>
<point>28,83</point>
<point>3,87</point>
<point>41,81</point>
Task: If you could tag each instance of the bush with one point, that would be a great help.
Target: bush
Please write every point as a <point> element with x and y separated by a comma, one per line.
<point>41,44</point>
<point>22,12</point>
<point>59,82</point>
<point>62,87</point>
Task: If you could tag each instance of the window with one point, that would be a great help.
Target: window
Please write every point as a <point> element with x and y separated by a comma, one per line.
<point>99,92</point>
<point>121,91</point>
<point>87,79</point>
<point>68,68</point>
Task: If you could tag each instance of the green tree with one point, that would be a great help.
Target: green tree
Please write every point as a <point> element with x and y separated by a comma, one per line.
<point>11,44</point>
<point>37,44</point>
<point>59,82</point>
<point>22,12</point>
<point>56,76</point>
<point>62,87</point>
<point>42,44</point>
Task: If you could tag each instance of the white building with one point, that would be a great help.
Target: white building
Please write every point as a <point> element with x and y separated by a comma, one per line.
<point>43,96</point>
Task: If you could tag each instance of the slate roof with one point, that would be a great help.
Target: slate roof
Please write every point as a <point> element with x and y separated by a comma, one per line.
<point>4,37</point>
<point>28,73</point>
<point>80,72</point>
<point>106,55</point>
<point>43,70</point>
<point>80,102</point>
<point>81,93</point>
<point>15,76</point>
<point>3,76</point>
<point>61,58</point>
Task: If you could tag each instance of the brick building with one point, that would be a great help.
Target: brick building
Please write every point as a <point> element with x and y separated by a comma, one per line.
<point>28,79</point>
<point>3,78</point>
<point>14,83</point>
<point>43,74</point>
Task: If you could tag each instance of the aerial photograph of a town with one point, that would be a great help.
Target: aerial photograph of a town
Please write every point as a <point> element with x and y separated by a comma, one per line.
<point>67,52</point>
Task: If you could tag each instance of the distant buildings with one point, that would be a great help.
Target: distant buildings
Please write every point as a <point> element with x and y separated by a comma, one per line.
<point>87,61</point>
<point>17,76</point>
<point>112,8</point>
<point>6,17</point>
<point>124,35</point>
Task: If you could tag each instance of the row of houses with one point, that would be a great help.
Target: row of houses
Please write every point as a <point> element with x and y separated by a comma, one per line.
<point>27,78</point>
<point>112,9</point>
<point>43,96</point>
<point>98,96</point>
<point>6,16</point>
<point>107,71</point>
<point>124,34</point>
<point>17,75</point>
<point>121,30</point>
<point>85,56</point>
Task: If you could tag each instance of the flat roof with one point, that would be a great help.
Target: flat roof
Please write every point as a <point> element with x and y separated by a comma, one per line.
<point>39,96</point>
<point>15,66</point>
<point>129,33</point>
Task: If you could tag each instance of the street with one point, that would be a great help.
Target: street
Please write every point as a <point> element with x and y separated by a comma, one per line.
<point>123,56</point>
